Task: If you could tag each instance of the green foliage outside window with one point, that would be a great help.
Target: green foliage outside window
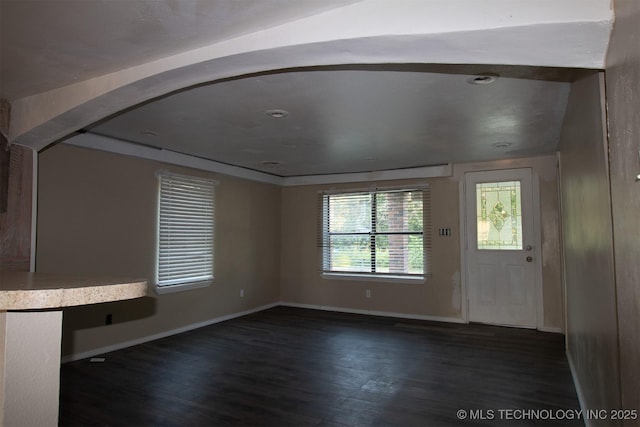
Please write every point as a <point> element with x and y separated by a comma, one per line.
<point>376,232</point>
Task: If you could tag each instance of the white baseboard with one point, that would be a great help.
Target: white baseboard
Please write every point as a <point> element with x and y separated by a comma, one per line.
<point>373,312</point>
<point>576,384</point>
<point>552,329</point>
<point>125,344</point>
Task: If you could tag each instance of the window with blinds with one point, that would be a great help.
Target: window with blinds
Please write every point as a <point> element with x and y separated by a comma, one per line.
<point>382,233</point>
<point>185,230</point>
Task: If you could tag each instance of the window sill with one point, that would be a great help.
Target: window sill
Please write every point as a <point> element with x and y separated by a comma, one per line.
<point>373,278</point>
<point>169,289</point>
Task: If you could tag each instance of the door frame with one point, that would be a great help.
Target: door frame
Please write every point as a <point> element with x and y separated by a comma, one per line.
<point>461,171</point>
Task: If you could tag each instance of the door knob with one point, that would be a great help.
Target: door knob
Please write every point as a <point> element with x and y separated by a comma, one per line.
<point>529,259</point>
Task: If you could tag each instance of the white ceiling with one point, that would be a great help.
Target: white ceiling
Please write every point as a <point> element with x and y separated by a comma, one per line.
<point>369,85</point>
<point>343,121</point>
<point>52,43</point>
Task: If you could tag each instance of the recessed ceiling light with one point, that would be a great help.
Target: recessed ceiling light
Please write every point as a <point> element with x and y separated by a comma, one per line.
<point>272,163</point>
<point>483,79</point>
<point>149,133</point>
<point>277,114</point>
<point>502,145</point>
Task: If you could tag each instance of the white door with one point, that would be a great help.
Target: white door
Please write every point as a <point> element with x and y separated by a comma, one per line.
<point>500,259</point>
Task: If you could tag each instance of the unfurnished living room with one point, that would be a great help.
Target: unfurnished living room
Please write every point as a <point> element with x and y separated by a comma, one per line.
<point>320,212</point>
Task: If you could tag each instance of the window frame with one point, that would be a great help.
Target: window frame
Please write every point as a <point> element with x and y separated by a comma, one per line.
<point>200,215</point>
<point>373,276</point>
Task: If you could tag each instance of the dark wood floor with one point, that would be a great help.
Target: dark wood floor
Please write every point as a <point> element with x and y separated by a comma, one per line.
<point>297,367</point>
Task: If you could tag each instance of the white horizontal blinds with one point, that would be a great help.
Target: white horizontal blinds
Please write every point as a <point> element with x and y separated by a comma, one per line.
<point>375,232</point>
<point>349,225</point>
<point>399,233</point>
<point>185,229</point>
<point>427,231</point>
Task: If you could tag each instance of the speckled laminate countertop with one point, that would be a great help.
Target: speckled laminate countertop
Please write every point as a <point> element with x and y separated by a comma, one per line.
<point>32,291</point>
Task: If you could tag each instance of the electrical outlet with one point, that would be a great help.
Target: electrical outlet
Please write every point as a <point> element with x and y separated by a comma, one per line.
<point>367,293</point>
<point>241,293</point>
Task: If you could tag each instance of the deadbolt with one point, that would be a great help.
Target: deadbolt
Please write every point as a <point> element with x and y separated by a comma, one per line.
<point>529,259</point>
<point>529,248</point>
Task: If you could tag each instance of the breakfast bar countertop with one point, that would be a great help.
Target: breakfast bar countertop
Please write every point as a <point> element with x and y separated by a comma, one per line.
<point>33,291</point>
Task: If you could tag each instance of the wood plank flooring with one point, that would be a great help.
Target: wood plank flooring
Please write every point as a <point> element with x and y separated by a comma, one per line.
<point>297,367</point>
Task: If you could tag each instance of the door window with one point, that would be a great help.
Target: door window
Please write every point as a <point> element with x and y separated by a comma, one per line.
<point>499,215</point>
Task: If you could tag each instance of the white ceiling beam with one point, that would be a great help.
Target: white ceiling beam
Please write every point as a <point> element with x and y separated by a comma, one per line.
<point>562,33</point>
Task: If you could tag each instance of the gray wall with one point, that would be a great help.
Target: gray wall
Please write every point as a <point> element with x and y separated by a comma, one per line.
<point>97,215</point>
<point>592,330</point>
<point>301,280</point>
<point>623,106</point>
<point>441,297</point>
<point>600,208</point>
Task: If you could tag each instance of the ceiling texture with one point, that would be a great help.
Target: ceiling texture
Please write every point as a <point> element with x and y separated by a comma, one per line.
<point>297,88</point>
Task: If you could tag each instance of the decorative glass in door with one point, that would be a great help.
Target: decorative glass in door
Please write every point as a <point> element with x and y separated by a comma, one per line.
<point>499,215</point>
